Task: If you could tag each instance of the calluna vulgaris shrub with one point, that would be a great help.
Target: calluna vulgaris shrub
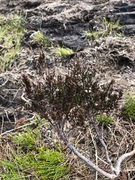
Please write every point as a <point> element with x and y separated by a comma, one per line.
<point>75,97</point>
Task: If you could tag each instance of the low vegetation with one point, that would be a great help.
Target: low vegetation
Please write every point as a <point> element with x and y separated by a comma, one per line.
<point>11,32</point>
<point>83,108</point>
<point>109,28</point>
<point>39,37</point>
<point>76,99</point>
<point>63,52</point>
<point>104,119</point>
<point>129,108</point>
<point>28,158</point>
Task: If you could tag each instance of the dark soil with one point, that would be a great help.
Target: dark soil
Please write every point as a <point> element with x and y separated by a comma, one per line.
<point>64,23</point>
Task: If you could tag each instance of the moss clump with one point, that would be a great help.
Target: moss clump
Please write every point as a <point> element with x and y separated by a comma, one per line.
<point>40,38</point>
<point>104,119</point>
<point>26,140</point>
<point>29,158</point>
<point>11,31</point>
<point>129,108</point>
<point>63,52</point>
<point>43,164</point>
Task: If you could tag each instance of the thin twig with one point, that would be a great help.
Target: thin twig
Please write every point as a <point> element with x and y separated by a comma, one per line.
<point>2,125</point>
<point>105,147</point>
<point>103,161</point>
<point>7,116</point>
<point>20,127</point>
<point>96,155</point>
<point>4,83</point>
<point>24,99</point>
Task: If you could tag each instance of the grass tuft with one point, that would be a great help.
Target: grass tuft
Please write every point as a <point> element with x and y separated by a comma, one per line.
<point>109,29</point>
<point>11,31</point>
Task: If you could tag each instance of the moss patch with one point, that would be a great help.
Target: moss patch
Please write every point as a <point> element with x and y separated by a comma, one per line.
<point>28,158</point>
<point>104,119</point>
<point>129,108</point>
<point>41,39</point>
<point>63,52</point>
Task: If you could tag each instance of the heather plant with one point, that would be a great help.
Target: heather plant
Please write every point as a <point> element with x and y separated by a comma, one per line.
<point>76,98</point>
<point>79,88</point>
<point>79,93</point>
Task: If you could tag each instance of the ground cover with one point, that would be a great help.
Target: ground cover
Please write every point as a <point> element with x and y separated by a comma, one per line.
<point>45,44</point>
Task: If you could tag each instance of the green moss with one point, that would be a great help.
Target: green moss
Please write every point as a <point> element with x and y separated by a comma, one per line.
<point>40,38</point>
<point>28,158</point>
<point>11,31</point>
<point>104,119</point>
<point>63,52</point>
<point>44,164</point>
<point>26,139</point>
<point>129,108</point>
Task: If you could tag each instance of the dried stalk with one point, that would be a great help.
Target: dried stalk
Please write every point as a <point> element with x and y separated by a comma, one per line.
<point>105,148</point>
<point>96,155</point>
<point>116,169</point>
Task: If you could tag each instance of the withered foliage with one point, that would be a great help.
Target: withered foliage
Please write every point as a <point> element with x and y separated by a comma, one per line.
<point>72,97</point>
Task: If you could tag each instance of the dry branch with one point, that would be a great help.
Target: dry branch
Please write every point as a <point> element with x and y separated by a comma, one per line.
<point>116,169</point>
